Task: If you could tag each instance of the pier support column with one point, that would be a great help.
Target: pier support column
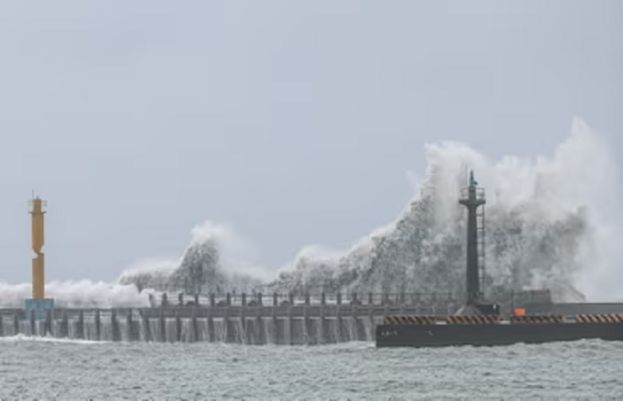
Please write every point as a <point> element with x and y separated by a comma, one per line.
<point>226,325</point>
<point>80,325</point>
<point>178,327</point>
<point>260,337</point>
<point>338,317</point>
<point>307,325</point>
<point>33,327</point>
<point>98,325</point>
<point>276,338</point>
<point>322,335</point>
<point>114,324</point>
<point>131,333</point>
<point>146,327</point>
<point>195,328</point>
<point>163,326</point>
<point>243,322</point>
<point>385,311</point>
<point>372,332</point>
<point>289,325</point>
<point>307,322</point>
<point>47,329</point>
<point>211,335</point>
<point>64,332</point>
<point>353,312</point>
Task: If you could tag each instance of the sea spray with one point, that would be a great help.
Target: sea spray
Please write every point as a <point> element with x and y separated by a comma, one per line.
<point>546,225</point>
<point>78,294</point>
<point>216,260</point>
<point>552,222</point>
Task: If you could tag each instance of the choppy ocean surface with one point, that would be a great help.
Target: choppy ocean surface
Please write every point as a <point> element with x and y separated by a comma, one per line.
<point>77,370</point>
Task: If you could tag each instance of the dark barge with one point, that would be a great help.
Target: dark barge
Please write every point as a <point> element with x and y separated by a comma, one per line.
<point>478,323</point>
<point>406,331</point>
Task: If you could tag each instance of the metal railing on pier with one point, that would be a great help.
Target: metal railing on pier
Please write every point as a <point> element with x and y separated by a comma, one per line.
<point>283,299</point>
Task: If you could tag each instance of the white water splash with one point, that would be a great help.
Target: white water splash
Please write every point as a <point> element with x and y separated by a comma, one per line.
<point>216,260</point>
<point>77,294</point>
<point>40,339</point>
<point>552,221</point>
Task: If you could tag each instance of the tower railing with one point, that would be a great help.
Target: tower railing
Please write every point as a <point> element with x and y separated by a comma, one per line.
<point>480,193</point>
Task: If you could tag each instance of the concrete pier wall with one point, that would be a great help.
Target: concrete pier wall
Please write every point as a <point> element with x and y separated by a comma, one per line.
<point>309,322</point>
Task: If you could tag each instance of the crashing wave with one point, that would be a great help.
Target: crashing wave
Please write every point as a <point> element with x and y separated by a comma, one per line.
<point>551,223</point>
<point>204,268</point>
<point>545,228</point>
<point>542,227</point>
<point>424,252</point>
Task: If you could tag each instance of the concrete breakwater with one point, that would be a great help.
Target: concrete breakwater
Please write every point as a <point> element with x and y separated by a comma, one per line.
<point>292,321</point>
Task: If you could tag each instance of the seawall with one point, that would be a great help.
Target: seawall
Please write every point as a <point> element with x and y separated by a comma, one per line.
<point>290,321</point>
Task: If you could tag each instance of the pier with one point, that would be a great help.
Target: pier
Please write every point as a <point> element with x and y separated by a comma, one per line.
<point>229,318</point>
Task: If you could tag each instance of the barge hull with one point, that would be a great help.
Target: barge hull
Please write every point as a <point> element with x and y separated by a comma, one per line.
<point>442,335</point>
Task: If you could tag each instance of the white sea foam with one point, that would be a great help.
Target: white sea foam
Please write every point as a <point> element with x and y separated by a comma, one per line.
<point>75,294</point>
<point>24,337</point>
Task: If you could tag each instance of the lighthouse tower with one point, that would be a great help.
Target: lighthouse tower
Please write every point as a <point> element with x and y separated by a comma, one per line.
<point>473,198</point>
<point>38,303</point>
<point>38,240</point>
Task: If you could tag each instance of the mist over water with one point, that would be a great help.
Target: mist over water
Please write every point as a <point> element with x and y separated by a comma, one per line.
<point>552,222</point>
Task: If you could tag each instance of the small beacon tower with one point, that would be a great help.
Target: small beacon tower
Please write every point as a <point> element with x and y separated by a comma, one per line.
<point>473,197</point>
<point>38,303</point>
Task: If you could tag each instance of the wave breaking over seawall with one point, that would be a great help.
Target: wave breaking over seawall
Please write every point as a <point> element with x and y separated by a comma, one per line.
<point>77,294</point>
<point>551,222</point>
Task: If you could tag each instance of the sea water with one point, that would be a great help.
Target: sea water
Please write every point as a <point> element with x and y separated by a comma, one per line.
<point>55,369</point>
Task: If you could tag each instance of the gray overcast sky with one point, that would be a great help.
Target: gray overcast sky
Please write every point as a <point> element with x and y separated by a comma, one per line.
<point>295,121</point>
